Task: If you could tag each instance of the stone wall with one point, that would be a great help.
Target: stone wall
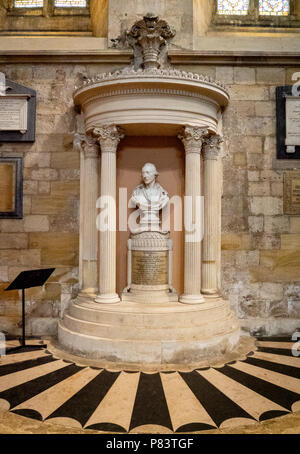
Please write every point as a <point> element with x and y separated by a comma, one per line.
<point>260,245</point>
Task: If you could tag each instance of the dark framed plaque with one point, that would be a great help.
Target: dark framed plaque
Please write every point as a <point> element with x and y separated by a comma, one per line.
<point>288,123</point>
<point>17,113</point>
<point>11,188</point>
<point>291,192</point>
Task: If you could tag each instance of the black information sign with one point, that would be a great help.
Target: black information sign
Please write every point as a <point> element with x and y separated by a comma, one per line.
<point>28,279</point>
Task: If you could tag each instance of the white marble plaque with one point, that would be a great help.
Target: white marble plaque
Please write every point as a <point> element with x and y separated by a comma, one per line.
<point>292,121</point>
<point>13,113</point>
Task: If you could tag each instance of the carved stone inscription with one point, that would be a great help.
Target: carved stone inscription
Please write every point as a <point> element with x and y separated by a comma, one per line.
<point>13,114</point>
<point>291,193</point>
<point>150,267</point>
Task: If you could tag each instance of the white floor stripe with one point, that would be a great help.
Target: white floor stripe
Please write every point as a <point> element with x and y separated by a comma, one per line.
<point>278,359</point>
<point>249,400</point>
<point>20,377</point>
<point>48,401</point>
<point>290,383</point>
<point>117,406</point>
<point>184,407</point>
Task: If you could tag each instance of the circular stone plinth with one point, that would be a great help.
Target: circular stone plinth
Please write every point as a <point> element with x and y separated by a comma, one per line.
<point>244,347</point>
<point>151,335</point>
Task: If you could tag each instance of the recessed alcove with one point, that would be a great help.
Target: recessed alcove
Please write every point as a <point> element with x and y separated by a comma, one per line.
<point>167,153</point>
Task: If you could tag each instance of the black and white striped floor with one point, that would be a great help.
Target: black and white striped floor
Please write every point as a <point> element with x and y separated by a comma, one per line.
<point>265,385</point>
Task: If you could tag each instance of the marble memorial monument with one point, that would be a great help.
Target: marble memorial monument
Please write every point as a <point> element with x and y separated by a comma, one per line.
<point>148,324</point>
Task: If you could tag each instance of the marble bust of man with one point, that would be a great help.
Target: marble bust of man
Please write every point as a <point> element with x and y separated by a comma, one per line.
<point>150,197</point>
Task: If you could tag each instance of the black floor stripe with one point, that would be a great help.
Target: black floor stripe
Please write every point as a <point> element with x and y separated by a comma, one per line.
<point>83,404</point>
<point>107,427</point>
<point>21,393</point>
<point>218,406</point>
<point>277,394</point>
<point>275,367</point>
<point>274,339</point>
<point>271,414</point>
<point>150,405</point>
<point>194,427</point>
<point>28,413</point>
<point>276,351</point>
<point>16,367</point>
<point>33,348</point>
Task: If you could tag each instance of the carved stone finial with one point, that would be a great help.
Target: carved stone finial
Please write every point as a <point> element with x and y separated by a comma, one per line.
<point>148,38</point>
<point>212,147</point>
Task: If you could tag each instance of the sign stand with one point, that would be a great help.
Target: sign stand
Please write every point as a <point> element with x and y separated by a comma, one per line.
<point>28,279</point>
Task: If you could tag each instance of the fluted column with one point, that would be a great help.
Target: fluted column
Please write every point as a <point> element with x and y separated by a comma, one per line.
<point>89,180</point>
<point>108,138</point>
<point>192,138</point>
<point>212,214</point>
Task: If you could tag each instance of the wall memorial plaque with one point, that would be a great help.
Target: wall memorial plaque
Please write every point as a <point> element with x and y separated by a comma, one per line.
<point>17,113</point>
<point>291,192</point>
<point>288,123</point>
<point>11,187</point>
<point>13,113</point>
<point>150,267</point>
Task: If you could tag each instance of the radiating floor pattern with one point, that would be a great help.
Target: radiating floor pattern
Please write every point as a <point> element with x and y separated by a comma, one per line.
<point>265,385</point>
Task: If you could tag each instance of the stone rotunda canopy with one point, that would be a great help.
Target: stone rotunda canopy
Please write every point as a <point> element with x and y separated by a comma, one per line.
<point>150,97</point>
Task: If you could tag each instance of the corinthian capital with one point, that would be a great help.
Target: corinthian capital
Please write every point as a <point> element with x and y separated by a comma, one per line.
<point>193,138</point>
<point>108,137</point>
<point>86,144</point>
<point>212,147</point>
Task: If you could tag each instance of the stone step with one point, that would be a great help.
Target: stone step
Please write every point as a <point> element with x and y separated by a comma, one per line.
<point>163,316</point>
<point>151,352</point>
<point>131,331</point>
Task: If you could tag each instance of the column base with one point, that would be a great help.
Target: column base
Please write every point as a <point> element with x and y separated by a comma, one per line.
<point>191,299</point>
<point>107,298</point>
<point>210,293</point>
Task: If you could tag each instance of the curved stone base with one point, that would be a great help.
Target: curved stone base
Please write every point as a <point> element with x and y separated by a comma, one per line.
<point>132,333</point>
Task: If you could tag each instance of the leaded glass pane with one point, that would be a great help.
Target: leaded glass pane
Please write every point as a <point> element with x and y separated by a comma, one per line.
<point>70,3</point>
<point>29,3</point>
<point>233,6</point>
<point>274,7</point>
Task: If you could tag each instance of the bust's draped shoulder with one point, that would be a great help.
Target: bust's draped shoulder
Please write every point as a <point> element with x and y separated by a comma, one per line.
<point>162,190</point>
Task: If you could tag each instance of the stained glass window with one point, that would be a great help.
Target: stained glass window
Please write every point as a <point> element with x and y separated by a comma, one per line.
<point>274,7</point>
<point>29,3</point>
<point>70,3</point>
<point>233,6</point>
